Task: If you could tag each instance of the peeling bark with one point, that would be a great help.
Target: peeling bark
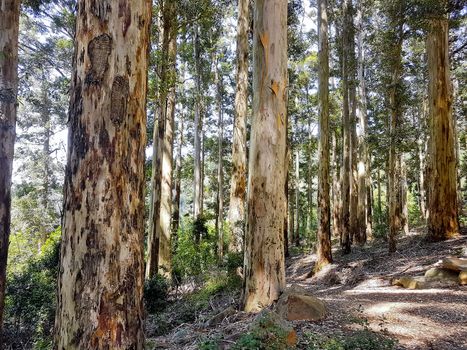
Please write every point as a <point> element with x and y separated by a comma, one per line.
<point>9,28</point>
<point>100,292</point>
<point>264,248</point>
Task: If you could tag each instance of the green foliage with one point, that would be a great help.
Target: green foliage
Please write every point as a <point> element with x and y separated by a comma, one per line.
<point>31,299</point>
<point>359,340</point>
<point>267,333</point>
<point>155,293</point>
<point>195,249</point>
<point>415,216</point>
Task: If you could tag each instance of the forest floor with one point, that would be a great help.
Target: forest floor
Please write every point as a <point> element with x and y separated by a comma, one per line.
<point>358,293</point>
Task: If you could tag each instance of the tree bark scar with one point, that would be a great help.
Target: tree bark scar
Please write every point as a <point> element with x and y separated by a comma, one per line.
<point>7,96</point>
<point>124,10</point>
<point>101,9</point>
<point>99,50</point>
<point>119,99</point>
<point>78,130</point>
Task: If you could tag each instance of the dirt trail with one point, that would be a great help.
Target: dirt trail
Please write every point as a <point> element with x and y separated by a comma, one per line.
<point>357,289</point>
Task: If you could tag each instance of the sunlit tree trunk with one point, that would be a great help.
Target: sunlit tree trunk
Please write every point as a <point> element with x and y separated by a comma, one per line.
<point>324,201</point>
<point>346,131</point>
<point>159,243</point>
<point>403,196</point>
<point>9,28</point>
<point>100,284</point>
<point>442,213</point>
<point>264,249</point>
<point>236,214</point>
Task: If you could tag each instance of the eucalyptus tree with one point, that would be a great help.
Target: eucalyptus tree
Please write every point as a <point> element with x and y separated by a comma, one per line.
<point>9,29</point>
<point>100,287</point>
<point>264,248</point>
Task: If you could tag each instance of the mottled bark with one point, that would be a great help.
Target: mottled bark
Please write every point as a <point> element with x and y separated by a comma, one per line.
<point>403,196</point>
<point>236,214</point>
<point>9,27</point>
<point>178,180</point>
<point>264,248</point>
<point>324,201</point>
<point>336,188</point>
<point>100,284</point>
<point>296,223</point>
<point>443,211</point>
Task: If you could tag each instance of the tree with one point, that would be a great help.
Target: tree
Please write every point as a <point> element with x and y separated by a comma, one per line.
<point>9,30</point>
<point>264,248</point>
<point>159,240</point>
<point>100,304</point>
<point>236,214</point>
<point>324,201</point>
<point>442,200</point>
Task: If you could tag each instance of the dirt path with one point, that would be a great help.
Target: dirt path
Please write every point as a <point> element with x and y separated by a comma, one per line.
<point>358,291</point>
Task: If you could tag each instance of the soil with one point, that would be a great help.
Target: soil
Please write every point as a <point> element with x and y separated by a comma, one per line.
<point>358,292</point>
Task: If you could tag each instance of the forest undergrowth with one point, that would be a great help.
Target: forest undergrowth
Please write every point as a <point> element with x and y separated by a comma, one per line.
<point>364,310</point>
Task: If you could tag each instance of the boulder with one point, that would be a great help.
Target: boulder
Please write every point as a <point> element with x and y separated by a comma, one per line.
<point>297,304</point>
<point>455,264</point>
<point>437,274</point>
<point>410,282</point>
<point>463,278</point>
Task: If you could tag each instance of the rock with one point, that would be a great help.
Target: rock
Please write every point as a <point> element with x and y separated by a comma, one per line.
<point>297,304</point>
<point>268,323</point>
<point>463,278</point>
<point>327,275</point>
<point>455,264</point>
<point>410,282</point>
<point>436,273</point>
<point>217,319</point>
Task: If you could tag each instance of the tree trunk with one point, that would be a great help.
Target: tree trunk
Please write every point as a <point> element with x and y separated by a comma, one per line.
<point>220,171</point>
<point>395,104</point>
<point>197,183</point>
<point>100,294</point>
<point>336,192</point>
<point>297,199</point>
<point>324,201</point>
<point>264,249</point>
<point>178,181</point>
<point>236,214</point>
<point>163,230</point>
<point>364,229</point>
<point>403,196</point>
<point>442,214</point>
<point>9,27</point>
<point>159,240</point>
<point>346,166</point>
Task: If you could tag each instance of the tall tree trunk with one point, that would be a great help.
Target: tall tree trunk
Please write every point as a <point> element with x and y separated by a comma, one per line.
<point>100,293</point>
<point>324,201</point>
<point>159,241</point>
<point>346,127</point>
<point>264,249</point>
<point>395,104</point>
<point>422,150</point>
<point>380,209</point>
<point>197,183</point>
<point>442,214</point>
<point>178,180</point>
<point>336,188</point>
<point>9,28</point>
<point>236,214</point>
<point>364,229</point>
<point>403,195</point>
<point>297,199</point>
<point>220,171</point>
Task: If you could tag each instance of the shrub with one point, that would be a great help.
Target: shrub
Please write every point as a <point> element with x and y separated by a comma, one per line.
<point>156,292</point>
